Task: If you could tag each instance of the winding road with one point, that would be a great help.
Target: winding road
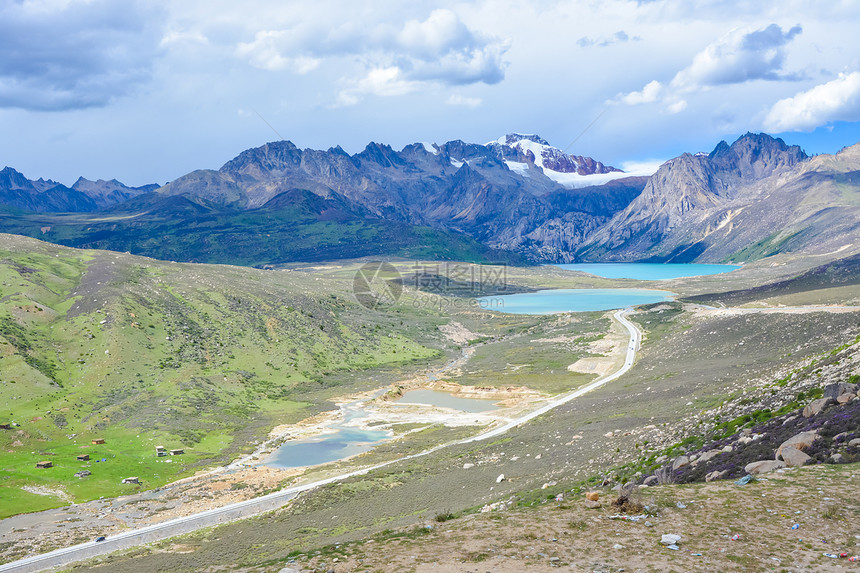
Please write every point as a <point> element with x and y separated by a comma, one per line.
<point>181,525</point>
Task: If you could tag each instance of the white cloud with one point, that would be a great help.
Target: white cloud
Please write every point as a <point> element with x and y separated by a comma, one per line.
<point>836,100</point>
<point>457,99</point>
<point>649,94</point>
<point>385,82</point>
<point>172,37</point>
<point>440,49</point>
<point>676,106</point>
<point>265,53</point>
<point>741,55</point>
<point>440,33</point>
<point>618,37</point>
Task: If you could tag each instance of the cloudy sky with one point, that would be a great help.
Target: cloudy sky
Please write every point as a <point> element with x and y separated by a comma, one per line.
<point>145,91</point>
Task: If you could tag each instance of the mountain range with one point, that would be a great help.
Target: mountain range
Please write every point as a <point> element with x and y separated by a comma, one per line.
<point>513,199</point>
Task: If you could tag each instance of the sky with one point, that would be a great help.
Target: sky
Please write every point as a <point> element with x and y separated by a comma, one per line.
<point>145,91</point>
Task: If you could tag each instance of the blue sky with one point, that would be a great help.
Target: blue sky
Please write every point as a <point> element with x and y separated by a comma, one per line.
<point>145,91</point>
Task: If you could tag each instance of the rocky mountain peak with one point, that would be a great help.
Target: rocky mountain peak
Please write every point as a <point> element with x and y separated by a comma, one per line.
<point>534,149</point>
<point>12,179</point>
<point>754,156</point>
<point>381,154</point>
<point>514,138</point>
<point>273,156</point>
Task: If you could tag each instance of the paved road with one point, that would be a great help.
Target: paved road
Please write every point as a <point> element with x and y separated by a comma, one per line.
<point>181,525</point>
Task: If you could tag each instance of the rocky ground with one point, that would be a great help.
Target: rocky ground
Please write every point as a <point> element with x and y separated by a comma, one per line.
<point>722,527</point>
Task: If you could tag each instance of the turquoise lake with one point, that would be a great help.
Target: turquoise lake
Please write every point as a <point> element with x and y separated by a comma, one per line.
<point>582,300</point>
<point>648,271</point>
<point>572,300</point>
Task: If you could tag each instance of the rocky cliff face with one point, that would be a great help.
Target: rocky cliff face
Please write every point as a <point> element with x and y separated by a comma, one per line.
<point>676,208</point>
<point>499,193</point>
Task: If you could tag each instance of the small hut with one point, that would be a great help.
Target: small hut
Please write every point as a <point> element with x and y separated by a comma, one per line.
<point>98,441</point>
<point>84,458</point>
<point>177,452</point>
<point>44,464</point>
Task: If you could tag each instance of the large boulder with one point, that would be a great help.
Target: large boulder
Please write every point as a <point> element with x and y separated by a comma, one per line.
<point>834,391</point>
<point>816,406</point>
<point>794,457</point>
<point>763,467</point>
<point>680,462</point>
<point>799,441</point>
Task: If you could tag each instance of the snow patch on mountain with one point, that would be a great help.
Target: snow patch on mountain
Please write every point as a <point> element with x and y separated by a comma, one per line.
<point>519,168</point>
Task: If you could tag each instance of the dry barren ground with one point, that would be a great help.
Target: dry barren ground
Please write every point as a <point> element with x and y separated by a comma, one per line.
<point>566,536</point>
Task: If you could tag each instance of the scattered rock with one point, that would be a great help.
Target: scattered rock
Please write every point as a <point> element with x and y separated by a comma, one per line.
<point>708,455</point>
<point>650,480</point>
<point>501,478</point>
<point>816,406</point>
<point>854,443</point>
<point>591,504</point>
<point>715,475</point>
<point>763,466</point>
<point>836,458</point>
<point>680,462</point>
<point>794,457</point>
<point>799,441</point>
<point>727,449</point>
<point>845,398</point>
<point>834,391</point>
<point>670,539</point>
<point>468,465</point>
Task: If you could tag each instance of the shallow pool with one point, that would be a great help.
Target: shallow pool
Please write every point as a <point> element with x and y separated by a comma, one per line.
<point>343,443</point>
<point>446,400</point>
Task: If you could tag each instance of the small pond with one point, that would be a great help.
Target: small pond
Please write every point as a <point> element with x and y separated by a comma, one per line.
<point>343,443</point>
<point>446,400</point>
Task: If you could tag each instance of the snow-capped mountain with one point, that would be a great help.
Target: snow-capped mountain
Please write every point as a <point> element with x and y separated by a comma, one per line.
<point>523,152</point>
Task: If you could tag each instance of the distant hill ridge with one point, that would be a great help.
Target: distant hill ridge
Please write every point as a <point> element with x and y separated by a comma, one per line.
<point>517,194</point>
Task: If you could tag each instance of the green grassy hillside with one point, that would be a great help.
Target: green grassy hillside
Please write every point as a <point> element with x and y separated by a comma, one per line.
<point>143,353</point>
